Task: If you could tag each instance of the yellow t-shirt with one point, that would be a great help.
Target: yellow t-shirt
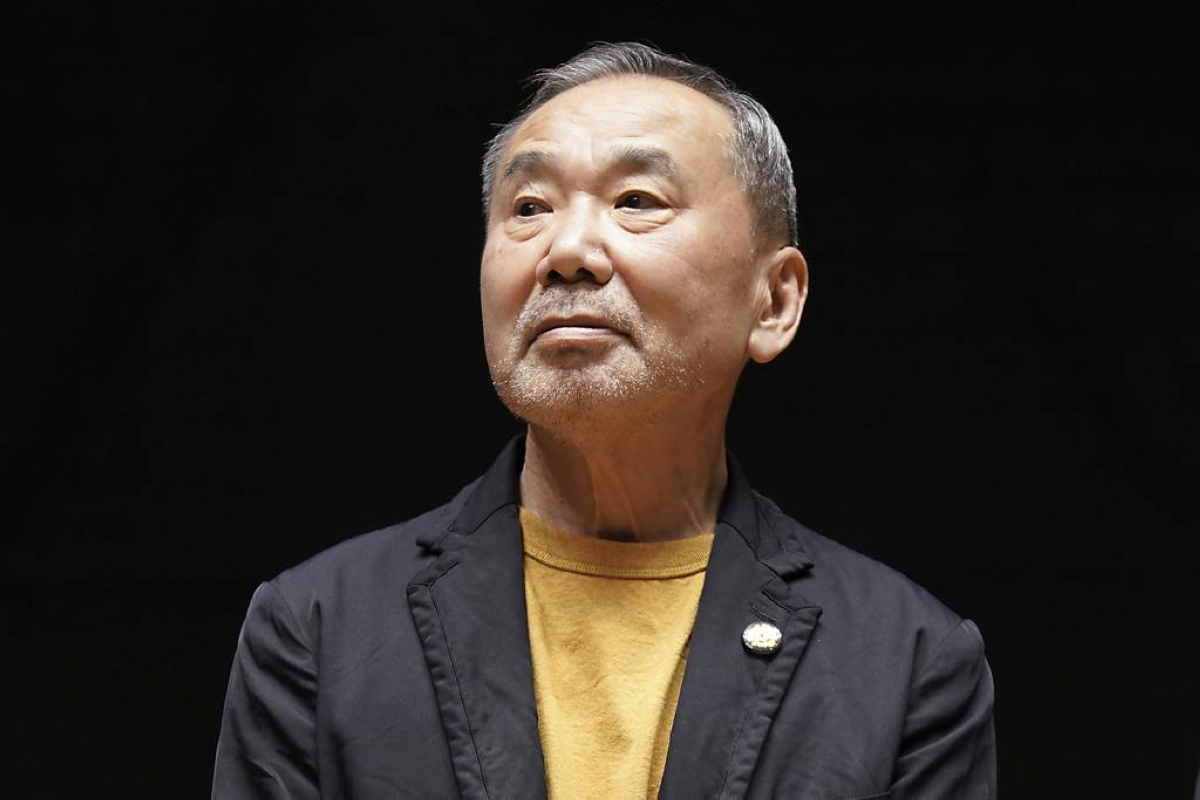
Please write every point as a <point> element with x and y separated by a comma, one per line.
<point>609,626</point>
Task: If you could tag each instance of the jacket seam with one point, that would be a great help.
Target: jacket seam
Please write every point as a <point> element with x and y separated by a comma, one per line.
<point>449,557</point>
<point>458,684</point>
<point>736,742</point>
<point>295,623</point>
<point>455,528</point>
<point>936,653</point>
<point>741,731</point>
<point>934,656</point>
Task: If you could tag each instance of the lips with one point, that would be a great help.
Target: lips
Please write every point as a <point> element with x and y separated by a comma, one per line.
<point>577,323</point>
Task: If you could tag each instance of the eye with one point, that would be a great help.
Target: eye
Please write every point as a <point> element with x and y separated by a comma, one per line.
<point>637,201</point>
<point>530,208</point>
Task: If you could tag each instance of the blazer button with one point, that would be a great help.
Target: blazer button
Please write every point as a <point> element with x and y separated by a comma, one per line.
<point>762,638</point>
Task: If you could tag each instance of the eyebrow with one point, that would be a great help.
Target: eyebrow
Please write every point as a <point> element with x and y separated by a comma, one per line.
<point>643,160</point>
<point>525,163</point>
<point>621,158</point>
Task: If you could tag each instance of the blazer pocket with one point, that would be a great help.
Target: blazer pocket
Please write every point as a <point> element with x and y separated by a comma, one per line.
<point>876,796</point>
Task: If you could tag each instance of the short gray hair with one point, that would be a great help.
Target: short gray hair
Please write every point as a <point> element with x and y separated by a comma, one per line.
<point>757,152</point>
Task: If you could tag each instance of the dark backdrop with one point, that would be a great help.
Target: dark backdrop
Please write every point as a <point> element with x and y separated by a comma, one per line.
<point>244,327</point>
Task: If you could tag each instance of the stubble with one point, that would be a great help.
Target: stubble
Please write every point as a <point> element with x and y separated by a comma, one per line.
<point>634,380</point>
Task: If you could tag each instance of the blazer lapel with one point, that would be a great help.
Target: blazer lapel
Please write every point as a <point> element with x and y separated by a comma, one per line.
<point>469,608</point>
<point>729,695</point>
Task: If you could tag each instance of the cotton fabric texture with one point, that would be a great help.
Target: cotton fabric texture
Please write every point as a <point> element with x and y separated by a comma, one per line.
<point>397,664</point>
<point>609,625</point>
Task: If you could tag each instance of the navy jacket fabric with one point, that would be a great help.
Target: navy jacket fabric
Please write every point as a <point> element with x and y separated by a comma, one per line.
<point>396,664</point>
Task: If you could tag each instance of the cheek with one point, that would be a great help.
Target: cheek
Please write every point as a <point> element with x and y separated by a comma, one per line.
<point>686,280</point>
<point>503,289</point>
<point>495,304</point>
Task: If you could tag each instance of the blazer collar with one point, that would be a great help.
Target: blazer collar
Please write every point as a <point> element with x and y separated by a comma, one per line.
<point>729,695</point>
<point>499,487</point>
<point>469,607</point>
<point>780,546</point>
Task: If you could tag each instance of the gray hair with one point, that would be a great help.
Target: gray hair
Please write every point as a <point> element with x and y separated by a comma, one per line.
<point>757,151</point>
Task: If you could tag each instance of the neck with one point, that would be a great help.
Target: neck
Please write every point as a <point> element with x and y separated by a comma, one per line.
<point>663,483</point>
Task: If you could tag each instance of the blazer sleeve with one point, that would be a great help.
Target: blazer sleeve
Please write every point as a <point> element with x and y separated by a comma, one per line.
<point>949,744</point>
<point>267,746</point>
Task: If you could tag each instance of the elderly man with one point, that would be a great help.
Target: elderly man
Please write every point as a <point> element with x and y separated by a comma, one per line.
<point>611,611</point>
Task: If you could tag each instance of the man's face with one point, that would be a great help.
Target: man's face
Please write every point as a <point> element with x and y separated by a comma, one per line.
<point>619,268</point>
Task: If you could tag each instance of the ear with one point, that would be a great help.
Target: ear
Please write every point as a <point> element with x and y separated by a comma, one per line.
<point>784,289</point>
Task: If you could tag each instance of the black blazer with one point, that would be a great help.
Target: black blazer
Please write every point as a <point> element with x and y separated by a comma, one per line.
<point>396,664</point>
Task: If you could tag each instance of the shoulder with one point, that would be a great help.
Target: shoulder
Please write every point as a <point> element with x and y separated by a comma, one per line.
<point>363,568</point>
<point>865,601</point>
<point>885,655</point>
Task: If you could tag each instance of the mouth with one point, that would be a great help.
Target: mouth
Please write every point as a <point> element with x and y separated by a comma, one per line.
<point>574,327</point>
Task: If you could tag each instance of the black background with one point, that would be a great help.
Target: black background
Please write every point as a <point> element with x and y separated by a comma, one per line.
<point>245,327</point>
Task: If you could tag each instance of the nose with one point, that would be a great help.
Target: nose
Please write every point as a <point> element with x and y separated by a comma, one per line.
<point>578,249</point>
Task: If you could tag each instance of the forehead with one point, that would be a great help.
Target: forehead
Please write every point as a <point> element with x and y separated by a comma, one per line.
<point>613,111</point>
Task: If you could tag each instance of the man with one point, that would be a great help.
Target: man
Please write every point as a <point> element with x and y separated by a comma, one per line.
<point>611,611</point>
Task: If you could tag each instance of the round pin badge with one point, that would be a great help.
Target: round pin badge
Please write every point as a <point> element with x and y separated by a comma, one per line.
<point>762,638</point>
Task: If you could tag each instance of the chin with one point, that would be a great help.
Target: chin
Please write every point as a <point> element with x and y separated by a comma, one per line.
<point>536,394</point>
<point>593,401</point>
